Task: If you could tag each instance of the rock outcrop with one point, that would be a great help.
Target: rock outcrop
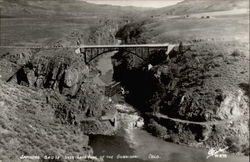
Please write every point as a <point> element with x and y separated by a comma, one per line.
<point>60,69</point>
<point>89,109</point>
<point>12,61</point>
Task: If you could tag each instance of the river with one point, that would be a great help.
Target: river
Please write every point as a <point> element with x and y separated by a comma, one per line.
<point>134,144</point>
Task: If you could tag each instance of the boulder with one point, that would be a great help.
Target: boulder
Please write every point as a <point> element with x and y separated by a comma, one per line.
<point>71,77</point>
<point>230,108</point>
<point>8,69</point>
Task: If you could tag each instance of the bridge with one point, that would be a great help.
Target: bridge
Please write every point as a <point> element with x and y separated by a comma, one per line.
<point>90,52</point>
<point>141,51</point>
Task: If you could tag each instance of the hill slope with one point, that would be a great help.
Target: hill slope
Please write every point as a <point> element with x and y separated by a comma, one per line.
<point>198,6</point>
<point>46,8</point>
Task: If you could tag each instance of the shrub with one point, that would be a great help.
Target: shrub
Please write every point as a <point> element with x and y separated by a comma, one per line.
<point>236,53</point>
<point>156,129</point>
<point>174,138</point>
<point>233,144</point>
<point>217,75</point>
<point>245,149</point>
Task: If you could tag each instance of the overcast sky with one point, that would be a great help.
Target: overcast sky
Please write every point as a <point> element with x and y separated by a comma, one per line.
<point>137,3</point>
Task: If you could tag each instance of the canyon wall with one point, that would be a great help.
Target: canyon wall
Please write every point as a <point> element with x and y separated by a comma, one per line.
<point>195,95</point>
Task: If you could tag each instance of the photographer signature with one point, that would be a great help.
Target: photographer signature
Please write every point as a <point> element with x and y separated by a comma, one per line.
<point>215,152</point>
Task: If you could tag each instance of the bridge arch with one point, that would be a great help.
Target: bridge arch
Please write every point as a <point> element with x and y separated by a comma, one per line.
<point>92,52</point>
<point>102,53</point>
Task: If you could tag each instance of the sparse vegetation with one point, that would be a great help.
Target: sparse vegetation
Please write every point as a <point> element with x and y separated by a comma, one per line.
<point>28,122</point>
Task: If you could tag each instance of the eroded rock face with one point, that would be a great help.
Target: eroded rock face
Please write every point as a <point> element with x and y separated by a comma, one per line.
<point>19,56</point>
<point>61,70</point>
<point>232,106</point>
<point>12,61</point>
<point>90,110</point>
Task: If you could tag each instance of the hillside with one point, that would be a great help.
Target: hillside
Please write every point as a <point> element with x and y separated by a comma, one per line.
<point>28,127</point>
<point>57,8</point>
<point>198,6</point>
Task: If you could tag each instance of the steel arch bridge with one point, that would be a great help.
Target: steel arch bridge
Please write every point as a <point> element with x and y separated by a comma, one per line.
<point>91,52</point>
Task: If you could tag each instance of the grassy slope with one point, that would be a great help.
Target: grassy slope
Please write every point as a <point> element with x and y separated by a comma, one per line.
<point>220,26</point>
<point>39,32</point>
<point>199,6</point>
<point>59,8</point>
<point>224,28</point>
<point>28,127</point>
<point>40,23</point>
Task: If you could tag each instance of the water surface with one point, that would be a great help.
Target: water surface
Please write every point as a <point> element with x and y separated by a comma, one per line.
<point>138,143</point>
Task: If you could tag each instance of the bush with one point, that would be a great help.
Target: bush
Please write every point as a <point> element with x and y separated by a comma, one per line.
<point>236,53</point>
<point>217,75</point>
<point>174,138</point>
<point>245,149</point>
<point>156,129</point>
<point>233,144</point>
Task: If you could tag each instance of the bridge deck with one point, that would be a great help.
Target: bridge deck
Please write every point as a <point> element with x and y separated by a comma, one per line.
<point>126,46</point>
<point>91,52</point>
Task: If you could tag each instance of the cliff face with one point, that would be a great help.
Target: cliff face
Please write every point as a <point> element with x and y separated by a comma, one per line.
<point>194,95</point>
<point>61,70</point>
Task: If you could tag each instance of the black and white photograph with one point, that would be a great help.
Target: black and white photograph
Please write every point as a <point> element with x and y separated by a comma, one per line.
<point>124,80</point>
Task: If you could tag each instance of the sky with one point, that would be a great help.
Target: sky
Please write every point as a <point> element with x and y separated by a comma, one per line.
<point>137,3</point>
